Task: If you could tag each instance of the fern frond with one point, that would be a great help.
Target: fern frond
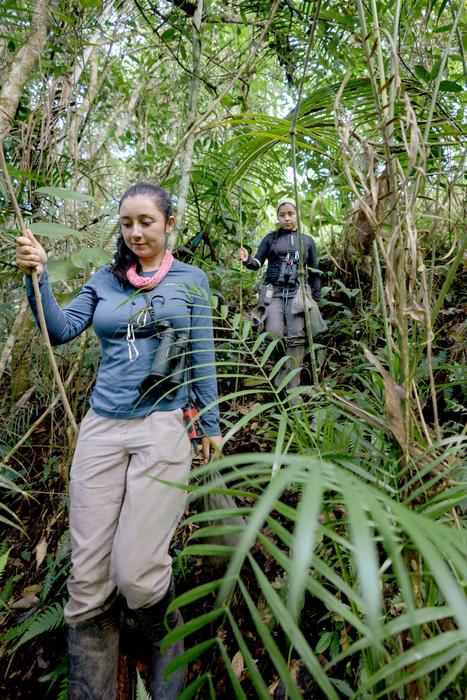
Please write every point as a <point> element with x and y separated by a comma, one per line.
<point>141,692</point>
<point>17,631</point>
<point>3,561</point>
<point>63,694</point>
<point>45,621</point>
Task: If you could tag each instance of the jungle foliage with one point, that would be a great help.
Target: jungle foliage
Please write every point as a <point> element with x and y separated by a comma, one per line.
<point>348,574</point>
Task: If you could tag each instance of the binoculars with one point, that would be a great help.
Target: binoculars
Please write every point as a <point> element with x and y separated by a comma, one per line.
<point>288,273</point>
<point>169,361</point>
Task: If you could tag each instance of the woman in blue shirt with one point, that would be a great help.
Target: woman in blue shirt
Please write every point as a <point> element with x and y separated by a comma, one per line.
<point>122,518</point>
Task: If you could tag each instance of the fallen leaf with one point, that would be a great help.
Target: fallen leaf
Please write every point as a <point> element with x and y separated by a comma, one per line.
<point>41,662</point>
<point>294,668</point>
<point>273,686</point>
<point>34,589</point>
<point>238,665</point>
<point>40,552</point>
<point>25,603</point>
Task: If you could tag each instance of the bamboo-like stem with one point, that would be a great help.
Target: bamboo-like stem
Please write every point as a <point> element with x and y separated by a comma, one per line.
<point>191,116</point>
<point>442,66</point>
<point>434,96</point>
<point>240,290</point>
<point>384,110</point>
<point>355,410</point>
<point>420,413</point>
<point>301,267</point>
<point>429,351</point>
<point>38,298</point>
<point>382,299</point>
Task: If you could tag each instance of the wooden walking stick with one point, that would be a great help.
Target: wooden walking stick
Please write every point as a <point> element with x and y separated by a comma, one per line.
<point>37,296</point>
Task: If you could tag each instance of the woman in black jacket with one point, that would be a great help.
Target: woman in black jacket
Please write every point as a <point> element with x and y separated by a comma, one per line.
<point>281,283</point>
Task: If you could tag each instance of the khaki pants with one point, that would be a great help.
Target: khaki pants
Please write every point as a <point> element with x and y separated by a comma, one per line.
<point>121,519</point>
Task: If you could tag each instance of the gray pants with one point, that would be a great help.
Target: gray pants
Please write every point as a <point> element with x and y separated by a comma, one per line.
<point>122,519</point>
<point>282,323</point>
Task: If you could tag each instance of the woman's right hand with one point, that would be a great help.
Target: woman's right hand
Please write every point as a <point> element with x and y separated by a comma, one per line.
<point>243,254</point>
<point>30,255</point>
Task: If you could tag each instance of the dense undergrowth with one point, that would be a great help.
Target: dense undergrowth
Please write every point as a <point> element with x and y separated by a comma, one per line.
<point>349,569</point>
<point>345,577</point>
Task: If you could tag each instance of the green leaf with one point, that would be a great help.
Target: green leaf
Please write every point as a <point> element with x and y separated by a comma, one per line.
<point>50,230</point>
<point>61,270</point>
<point>63,193</point>
<point>305,534</point>
<point>444,28</point>
<point>422,73</point>
<point>192,654</point>
<point>194,594</point>
<point>96,4</point>
<point>435,70</point>
<point>191,690</point>
<point>324,642</point>
<point>236,687</point>
<point>23,174</point>
<point>192,626</point>
<point>450,86</point>
<point>91,256</point>
<point>364,551</point>
<point>69,20</point>
<point>279,453</point>
<point>168,34</point>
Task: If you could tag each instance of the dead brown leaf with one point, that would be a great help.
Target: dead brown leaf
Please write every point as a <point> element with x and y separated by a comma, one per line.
<point>41,552</point>
<point>272,688</point>
<point>238,665</point>
<point>393,395</point>
<point>34,589</point>
<point>25,603</point>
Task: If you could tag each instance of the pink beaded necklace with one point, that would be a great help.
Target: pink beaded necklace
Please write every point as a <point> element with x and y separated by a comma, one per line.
<point>150,282</point>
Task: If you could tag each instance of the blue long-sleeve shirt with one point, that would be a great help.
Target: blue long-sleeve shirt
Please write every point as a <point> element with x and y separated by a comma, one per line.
<point>181,298</point>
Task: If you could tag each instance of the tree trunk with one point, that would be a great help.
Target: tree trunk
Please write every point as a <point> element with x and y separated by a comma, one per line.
<point>21,67</point>
<point>187,160</point>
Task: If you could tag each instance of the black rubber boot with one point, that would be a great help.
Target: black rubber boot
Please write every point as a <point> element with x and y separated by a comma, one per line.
<point>152,621</point>
<point>93,657</point>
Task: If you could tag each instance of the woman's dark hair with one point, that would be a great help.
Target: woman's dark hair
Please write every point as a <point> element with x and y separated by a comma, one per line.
<point>124,257</point>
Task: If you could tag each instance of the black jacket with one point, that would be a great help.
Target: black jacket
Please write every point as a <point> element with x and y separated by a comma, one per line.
<point>278,246</point>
